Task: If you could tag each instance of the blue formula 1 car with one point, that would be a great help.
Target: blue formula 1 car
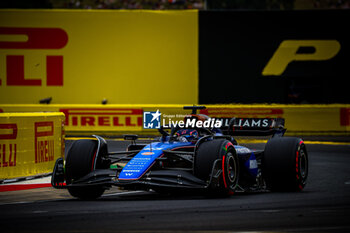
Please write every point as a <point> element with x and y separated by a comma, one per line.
<point>194,159</point>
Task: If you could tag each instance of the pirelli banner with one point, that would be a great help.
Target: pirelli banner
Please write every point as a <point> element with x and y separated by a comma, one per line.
<point>120,119</point>
<point>30,143</point>
<point>87,56</point>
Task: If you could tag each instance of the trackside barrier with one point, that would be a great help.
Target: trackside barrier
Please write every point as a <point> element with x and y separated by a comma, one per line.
<point>118,119</point>
<point>30,143</point>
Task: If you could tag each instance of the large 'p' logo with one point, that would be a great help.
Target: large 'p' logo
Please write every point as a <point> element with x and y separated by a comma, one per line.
<point>33,38</point>
<point>287,52</point>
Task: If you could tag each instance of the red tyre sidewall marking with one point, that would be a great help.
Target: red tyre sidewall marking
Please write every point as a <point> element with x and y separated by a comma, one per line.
<point>223,170</point>
<point>223,162</point>
<point>93,161</point>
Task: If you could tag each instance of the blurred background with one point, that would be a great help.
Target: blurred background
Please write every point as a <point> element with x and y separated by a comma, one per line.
<point>181,4</point>
<point>238,43</point>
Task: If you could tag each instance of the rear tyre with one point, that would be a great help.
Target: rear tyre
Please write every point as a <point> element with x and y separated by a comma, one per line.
<point>285,164</point>
<point>207,154</point>
<point>80,162</point>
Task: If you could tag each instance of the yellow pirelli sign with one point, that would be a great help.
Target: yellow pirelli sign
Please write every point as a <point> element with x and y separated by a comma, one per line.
<point>120,119</point>
<point>30,143</point>
<point>103,118</point>
<point>85,56</point>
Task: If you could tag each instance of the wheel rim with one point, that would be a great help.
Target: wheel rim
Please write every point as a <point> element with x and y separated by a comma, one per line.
<point>302,164</point>
<point>231,168</point>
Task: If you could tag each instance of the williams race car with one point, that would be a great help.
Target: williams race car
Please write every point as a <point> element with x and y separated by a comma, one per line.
<point>205,160</point>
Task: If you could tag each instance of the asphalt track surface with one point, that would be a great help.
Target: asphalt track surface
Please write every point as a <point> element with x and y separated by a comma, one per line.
<point>323,206</point>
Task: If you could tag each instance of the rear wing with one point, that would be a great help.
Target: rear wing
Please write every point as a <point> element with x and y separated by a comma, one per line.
<point>254,126</point>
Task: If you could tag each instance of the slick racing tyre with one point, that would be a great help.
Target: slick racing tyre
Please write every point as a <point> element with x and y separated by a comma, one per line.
<point>80,161</point>
<point>285,164</point>
<point>210,151</point>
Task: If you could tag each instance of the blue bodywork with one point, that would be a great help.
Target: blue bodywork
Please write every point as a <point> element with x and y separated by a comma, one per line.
<point>144,160</point>
<point>247,156</point>
<point>138,165</point>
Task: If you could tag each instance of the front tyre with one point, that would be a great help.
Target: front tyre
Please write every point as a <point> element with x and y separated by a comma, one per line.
<point>81,160</point>
<point>219,151</point>
<point>285,164</point>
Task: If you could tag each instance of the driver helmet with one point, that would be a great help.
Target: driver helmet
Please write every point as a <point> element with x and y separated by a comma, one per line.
<point>187,135</point>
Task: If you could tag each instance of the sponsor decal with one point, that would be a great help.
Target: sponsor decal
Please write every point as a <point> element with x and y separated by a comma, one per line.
<point>102,117</point>
<point>253,122</point>
<point>8,150</point>
<point>253,164</point>
<point>33,38</point>
<point>147,153</point>
<point>44,141</point>
<point>154,148</point>
<point>245,117</point>
<point>242,150</point>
